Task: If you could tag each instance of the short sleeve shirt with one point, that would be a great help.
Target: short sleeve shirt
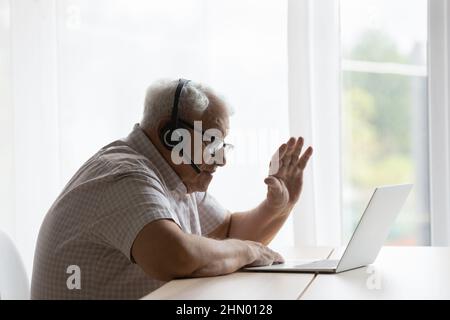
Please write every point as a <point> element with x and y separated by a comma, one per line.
<point>84,244</point>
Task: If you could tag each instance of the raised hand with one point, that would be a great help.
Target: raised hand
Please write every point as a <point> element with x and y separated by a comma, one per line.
<point>285,180</point>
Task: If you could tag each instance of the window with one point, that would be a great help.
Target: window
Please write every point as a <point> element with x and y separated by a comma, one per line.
<point>384,110</point>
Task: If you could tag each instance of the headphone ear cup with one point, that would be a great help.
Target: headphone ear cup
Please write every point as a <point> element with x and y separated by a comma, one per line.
<point>166,137</point>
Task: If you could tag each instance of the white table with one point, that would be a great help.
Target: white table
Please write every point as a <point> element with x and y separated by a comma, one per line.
<point>398,273</point>
<point>245,285</point>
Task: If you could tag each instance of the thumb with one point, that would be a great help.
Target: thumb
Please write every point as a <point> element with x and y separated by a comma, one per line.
<point>273,184</point>
<point>270,181</point>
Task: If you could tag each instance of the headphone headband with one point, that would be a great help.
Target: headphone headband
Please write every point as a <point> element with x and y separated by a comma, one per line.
<point>174,120</point>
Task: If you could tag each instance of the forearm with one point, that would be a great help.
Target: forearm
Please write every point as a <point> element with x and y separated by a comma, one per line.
<point>212,257</point>
<point>166,252</point>
<point>260,224</point>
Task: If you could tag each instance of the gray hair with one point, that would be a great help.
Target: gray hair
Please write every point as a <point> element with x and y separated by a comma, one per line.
<point>194,100</point>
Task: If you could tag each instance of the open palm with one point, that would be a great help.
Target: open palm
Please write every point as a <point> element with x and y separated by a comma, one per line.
<point>285,180</point>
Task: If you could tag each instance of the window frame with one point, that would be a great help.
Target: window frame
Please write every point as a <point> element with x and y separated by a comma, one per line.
<point>439,122</point>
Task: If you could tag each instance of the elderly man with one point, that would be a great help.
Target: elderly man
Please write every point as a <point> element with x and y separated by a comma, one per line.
<point>133,216</point>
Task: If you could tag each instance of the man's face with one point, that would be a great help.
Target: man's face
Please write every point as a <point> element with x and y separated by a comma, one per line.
<point>215,117</point>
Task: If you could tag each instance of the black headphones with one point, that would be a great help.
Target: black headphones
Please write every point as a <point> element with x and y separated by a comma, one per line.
<point>167,131</point>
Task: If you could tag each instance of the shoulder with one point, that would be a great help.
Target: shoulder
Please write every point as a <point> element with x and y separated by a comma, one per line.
<point>118,161</point>
<point>119,154</point>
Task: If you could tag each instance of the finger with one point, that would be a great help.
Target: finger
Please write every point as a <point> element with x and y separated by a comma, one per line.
<point>281,150</point>
<point>292,165</point>
<point>285,161</point>
<point>268,256</point>
<point>278,258</point>
<point>298,148</point>
<point>265,257</point>
<point>303,161</point>
<point>284,165</point>
<point>291,147</point>
<point>275,162</point>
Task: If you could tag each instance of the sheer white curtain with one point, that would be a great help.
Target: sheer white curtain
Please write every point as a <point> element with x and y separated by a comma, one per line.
<point>314,112</point>
<point>74,73</point>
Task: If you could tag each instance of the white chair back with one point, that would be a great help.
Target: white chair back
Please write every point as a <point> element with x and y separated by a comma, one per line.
<point>14,284</point>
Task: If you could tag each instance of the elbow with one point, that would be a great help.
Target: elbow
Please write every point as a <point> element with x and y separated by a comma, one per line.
<point>164,252</point>
<point>180,263</point>
<point>187,263</point>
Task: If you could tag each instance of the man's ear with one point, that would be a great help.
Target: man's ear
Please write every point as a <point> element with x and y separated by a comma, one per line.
<point>162,123</point>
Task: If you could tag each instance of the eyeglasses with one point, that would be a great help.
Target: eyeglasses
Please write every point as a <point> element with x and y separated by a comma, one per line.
<point>215,145</point>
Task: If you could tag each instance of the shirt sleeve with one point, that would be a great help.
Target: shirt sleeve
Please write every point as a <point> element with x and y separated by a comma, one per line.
<point>130,203</point>
<point>211,212</point>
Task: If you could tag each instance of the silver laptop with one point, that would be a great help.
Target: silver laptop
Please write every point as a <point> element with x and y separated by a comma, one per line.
<point>367,239</point>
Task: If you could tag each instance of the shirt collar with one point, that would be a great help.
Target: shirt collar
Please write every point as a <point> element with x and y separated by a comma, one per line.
<point>139,141</point>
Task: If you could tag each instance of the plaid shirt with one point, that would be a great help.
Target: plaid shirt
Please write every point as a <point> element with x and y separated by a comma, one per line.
<point>96,218</point>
